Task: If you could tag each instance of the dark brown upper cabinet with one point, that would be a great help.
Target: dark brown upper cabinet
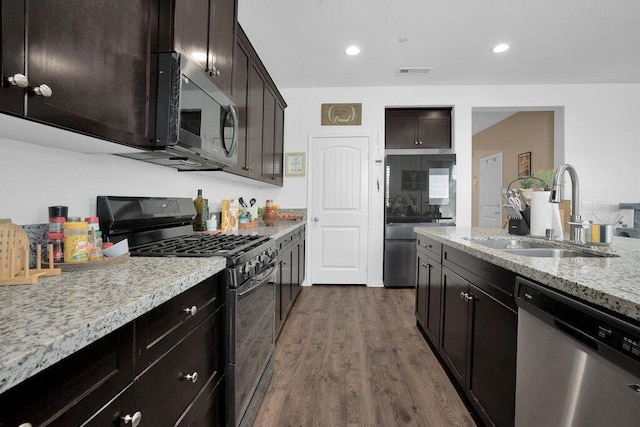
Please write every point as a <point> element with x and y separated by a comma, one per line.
<point>260,109</point>
<point>418,128</point>
<point>12,66</point>
<point>205,31</point>
<point>86,75</point>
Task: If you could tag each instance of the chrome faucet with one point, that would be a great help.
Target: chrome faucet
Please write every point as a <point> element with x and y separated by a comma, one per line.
<point>575,221</point>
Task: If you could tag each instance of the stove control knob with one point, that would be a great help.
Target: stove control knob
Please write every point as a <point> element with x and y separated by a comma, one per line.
<point>264,258</point>
<point>257,266</point>
<point>246,270</point>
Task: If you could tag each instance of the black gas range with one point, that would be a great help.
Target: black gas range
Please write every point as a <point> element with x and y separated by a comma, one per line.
<point>163,227</point>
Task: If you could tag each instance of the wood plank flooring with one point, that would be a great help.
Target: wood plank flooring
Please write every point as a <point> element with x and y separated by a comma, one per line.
<point>353,356</point>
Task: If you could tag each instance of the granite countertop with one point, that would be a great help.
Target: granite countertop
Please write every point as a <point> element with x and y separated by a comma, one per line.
<point>610,282</point>
<point>43,323</point>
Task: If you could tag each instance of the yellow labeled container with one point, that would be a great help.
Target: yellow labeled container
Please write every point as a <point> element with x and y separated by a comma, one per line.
<point>76,242</point>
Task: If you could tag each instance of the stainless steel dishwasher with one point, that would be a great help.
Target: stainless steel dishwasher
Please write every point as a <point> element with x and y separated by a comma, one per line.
<point>576,365</point>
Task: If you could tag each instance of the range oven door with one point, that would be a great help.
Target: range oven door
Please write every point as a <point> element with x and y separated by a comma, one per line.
<point>251,338</point>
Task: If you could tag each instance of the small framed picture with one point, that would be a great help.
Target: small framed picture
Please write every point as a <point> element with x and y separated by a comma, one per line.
<point>295,164</point>
<point>524,165</point>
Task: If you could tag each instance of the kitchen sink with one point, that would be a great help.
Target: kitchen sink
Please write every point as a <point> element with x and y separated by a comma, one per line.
<point>538,249</point>
<point>509,243</point>
<point>551,253</point>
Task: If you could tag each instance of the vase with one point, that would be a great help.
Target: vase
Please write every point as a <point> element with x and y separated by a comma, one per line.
<point>269,216</point>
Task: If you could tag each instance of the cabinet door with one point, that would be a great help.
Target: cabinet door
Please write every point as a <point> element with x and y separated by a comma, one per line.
<point>422,288</point>
<point>255,107</point>
<point>453,344</point>
<point>285,290</point>
<point>222,32</point>
<point>434,131</point>
<point>400,131</point>
<point>278,147</point>
<point>295,270</point>
<point>278,290</point>
<point>268,134</point>
<point>97,69</point>
<point>191,27</point>
<point>240,92</point>
<point>492,378</point>
<point>11,55</point>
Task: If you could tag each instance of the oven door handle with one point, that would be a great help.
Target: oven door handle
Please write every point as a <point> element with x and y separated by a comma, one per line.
<point>258,281</point>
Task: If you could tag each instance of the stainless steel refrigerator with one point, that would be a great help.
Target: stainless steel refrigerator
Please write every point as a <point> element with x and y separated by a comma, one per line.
<point>420,191</point>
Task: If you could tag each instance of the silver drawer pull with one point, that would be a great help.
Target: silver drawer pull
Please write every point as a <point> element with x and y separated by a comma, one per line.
<point>26,425</point>
<point>19,80</point>
<point>192,311</point>
<point>191,377</point>
<point>133,419</point>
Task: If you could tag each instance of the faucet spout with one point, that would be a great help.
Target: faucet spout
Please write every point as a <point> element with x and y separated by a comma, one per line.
<point>575,221</point>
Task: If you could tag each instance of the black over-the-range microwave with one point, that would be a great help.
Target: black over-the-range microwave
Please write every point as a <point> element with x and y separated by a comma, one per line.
<point>196,125</point>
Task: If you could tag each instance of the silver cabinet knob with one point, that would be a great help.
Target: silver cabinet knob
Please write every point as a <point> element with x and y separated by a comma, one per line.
<point>25,424</point>
<point>43,90</point>
<point>192,311</point>
<point>462,295</point>
<point>316,219</point>
<point>419,142</point>
<point>133,419</point>
<point>19,80</point>
<point>191,377</point>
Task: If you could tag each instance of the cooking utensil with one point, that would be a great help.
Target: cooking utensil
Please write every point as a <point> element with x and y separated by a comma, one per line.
<point>252,202</point>
<point>523,197</point>
<point>242,203</point>
<point>515,202</point>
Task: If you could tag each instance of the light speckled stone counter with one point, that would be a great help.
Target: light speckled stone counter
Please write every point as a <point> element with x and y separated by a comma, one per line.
<point>611,282</point>
<point>277,230</point>
<point>43,323</point>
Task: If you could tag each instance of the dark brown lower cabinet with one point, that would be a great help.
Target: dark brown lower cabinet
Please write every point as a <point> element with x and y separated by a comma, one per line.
<point>429,294</point>
<point>492,379</point>
<point>453,346</point>
<point>179,381</point>
<point>291,258</point>
<point>478,328</point>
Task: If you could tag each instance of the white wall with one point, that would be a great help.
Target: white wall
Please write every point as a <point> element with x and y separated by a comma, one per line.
<point>33,177</point>
<point>601,132</point>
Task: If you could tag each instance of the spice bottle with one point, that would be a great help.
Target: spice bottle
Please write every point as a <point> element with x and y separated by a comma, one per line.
<point>56,240</point>
<point>76,242</point>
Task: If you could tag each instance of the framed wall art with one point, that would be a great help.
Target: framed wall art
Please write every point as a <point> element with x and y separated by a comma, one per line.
<point>295,164</point>
<point>341,115</point>
<point>524,165</point>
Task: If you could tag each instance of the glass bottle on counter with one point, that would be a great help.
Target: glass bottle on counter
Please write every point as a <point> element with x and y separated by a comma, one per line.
<point>199,200</point>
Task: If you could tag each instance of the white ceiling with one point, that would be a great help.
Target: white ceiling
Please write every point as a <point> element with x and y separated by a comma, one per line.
<point>302,42</point>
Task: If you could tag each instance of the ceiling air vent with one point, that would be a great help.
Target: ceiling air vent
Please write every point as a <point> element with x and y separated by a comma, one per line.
<point>413,71</point>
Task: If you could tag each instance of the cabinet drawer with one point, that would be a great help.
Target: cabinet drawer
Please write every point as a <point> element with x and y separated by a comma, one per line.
<point>73,389</point>
<point>161,328</point>
<point>164,388</point>
<point>208,408</point>
<point>433,248</point>
<point>113,414</point>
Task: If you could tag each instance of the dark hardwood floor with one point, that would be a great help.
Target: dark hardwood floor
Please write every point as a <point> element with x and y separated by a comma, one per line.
<point>353,356</point>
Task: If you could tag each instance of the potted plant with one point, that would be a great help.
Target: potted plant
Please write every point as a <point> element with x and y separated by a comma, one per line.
<point>545,178</point>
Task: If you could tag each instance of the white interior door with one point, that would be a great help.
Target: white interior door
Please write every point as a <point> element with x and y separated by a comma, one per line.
<point>339,209</point>
<point>490,199</point>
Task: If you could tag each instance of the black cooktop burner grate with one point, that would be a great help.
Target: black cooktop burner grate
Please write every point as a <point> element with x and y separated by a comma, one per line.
<point>195,245</point>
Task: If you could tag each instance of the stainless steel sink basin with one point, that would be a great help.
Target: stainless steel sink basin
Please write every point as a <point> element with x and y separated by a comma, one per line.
<point>509,243</point>
<point>551,253</point>
<point>537,249</point>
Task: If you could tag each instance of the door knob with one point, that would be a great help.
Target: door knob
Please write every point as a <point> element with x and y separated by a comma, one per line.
<point>19,80</point>
<point>316,219</point>
<point>43,90</point>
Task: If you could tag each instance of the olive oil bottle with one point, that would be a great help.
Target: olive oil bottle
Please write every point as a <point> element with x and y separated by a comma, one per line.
<point>198,202</point>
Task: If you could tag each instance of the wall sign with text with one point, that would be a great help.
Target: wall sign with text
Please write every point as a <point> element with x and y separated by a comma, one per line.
<point>341,115</point>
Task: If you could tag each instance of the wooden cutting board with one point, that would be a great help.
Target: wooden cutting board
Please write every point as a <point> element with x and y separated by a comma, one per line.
<point>14,247</point>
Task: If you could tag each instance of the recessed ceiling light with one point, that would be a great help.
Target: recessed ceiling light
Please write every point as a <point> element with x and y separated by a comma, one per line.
<point>502,47</point>
<point>403,39</point>
<point>352,50</point>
